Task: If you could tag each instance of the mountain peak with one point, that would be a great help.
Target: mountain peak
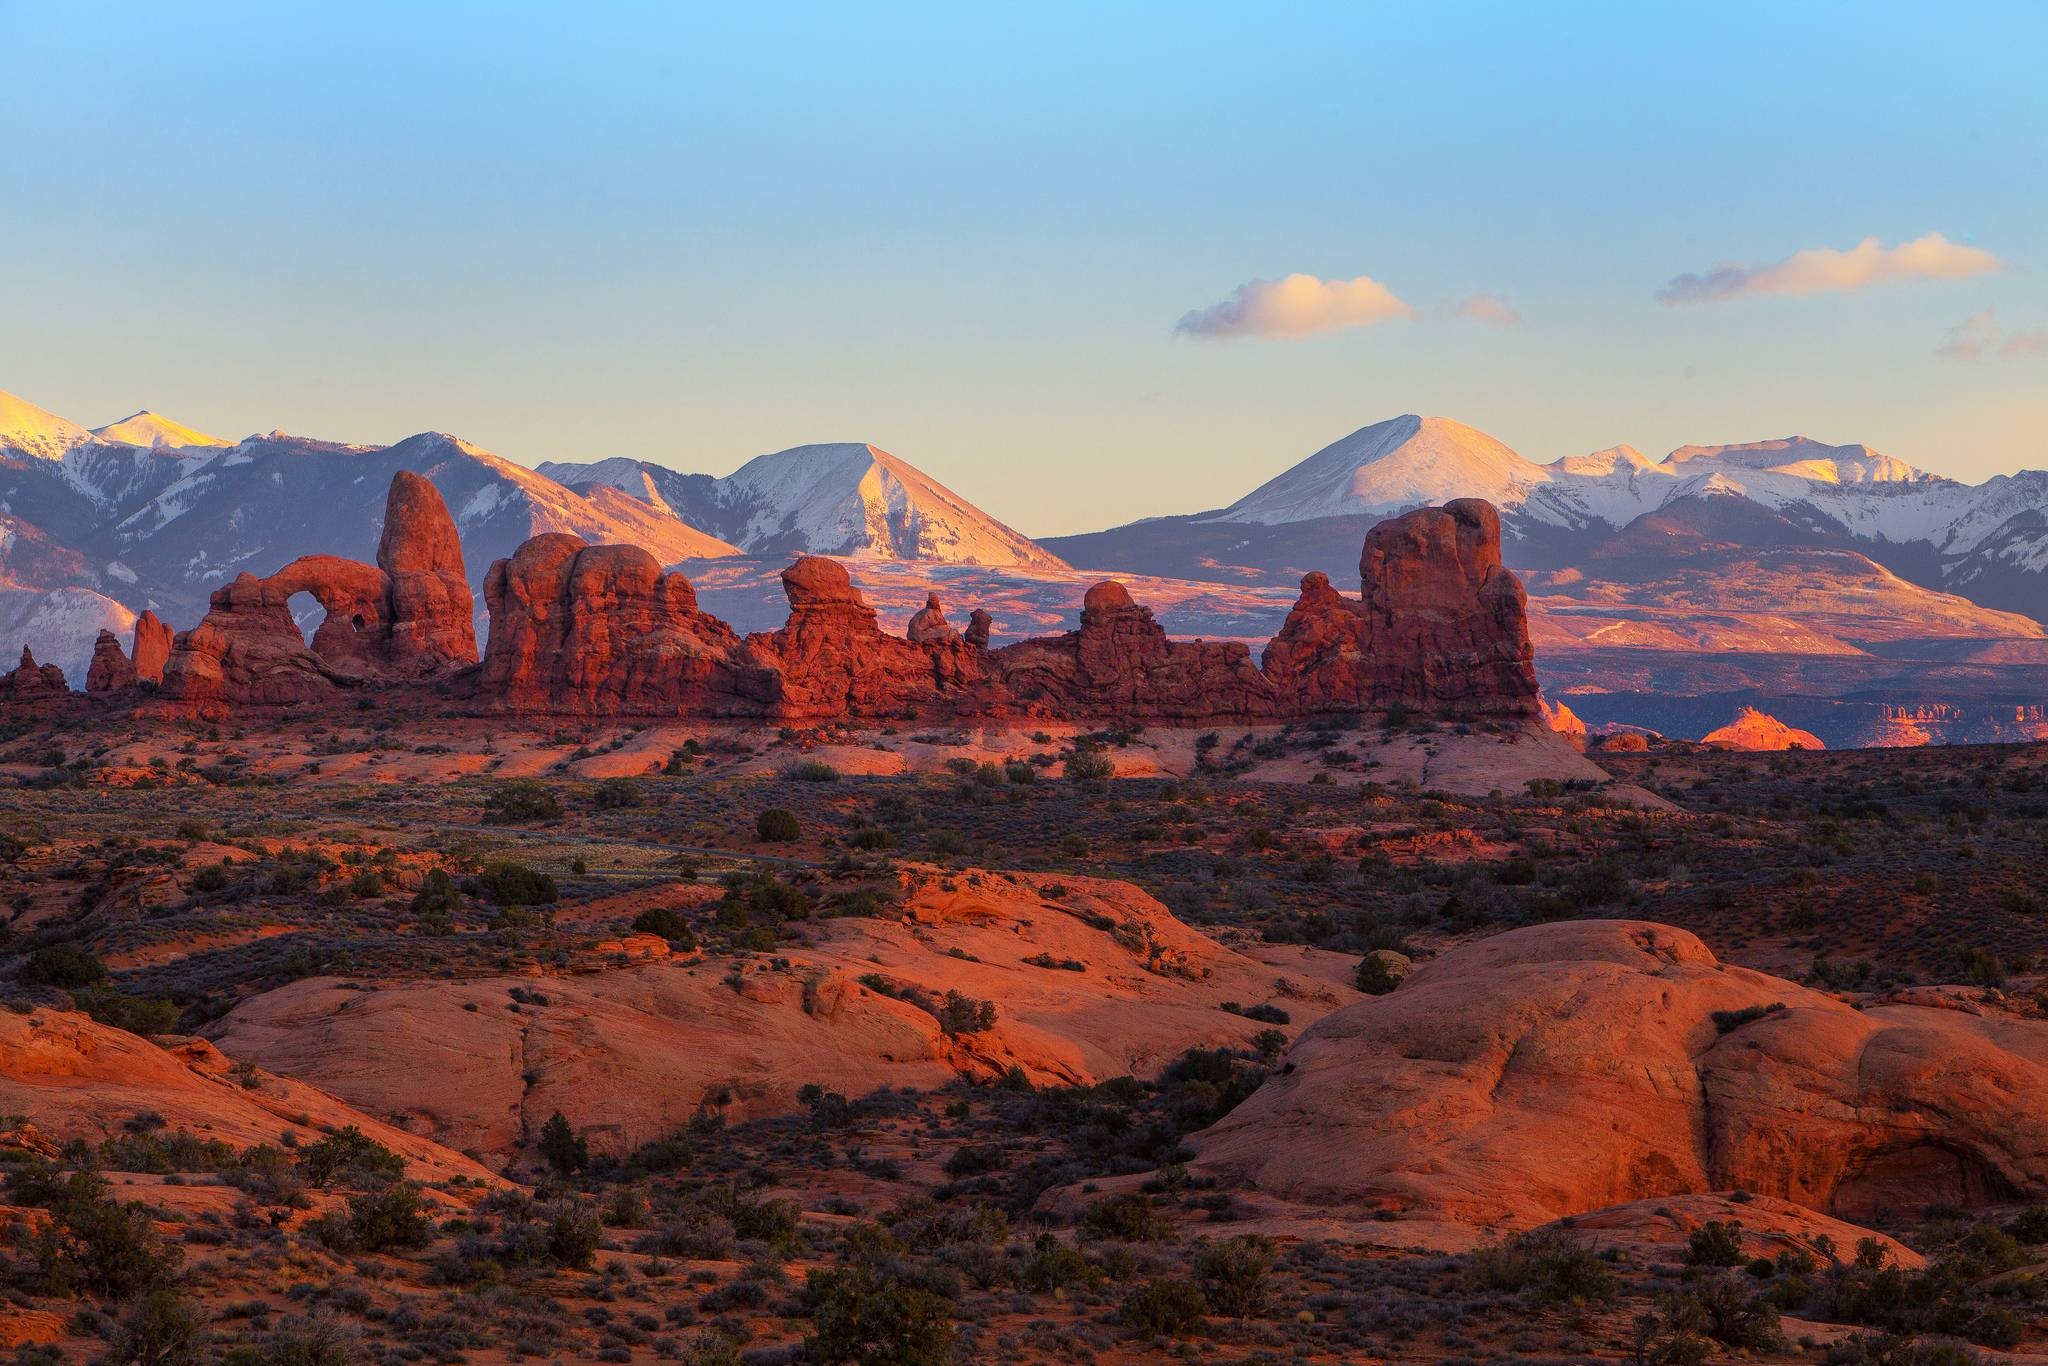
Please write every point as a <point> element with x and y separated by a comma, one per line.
<point>153,429</point>
<point>1403,462</point>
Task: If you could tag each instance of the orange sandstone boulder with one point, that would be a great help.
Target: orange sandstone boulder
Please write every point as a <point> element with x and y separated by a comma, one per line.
<point>1563,1068</point>
<point>1752,729</point>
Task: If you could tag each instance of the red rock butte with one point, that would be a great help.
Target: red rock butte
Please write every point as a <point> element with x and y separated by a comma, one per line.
<point>602,630</point>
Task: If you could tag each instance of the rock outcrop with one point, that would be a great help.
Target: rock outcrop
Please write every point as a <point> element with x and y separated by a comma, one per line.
<point>601,630</point>
<point>405,619</point>
<point>928,625</point>
<point>1752,729</point>
<point>111,671</point>
<point>152,647</point>
<point>31,680</point>
<point>1564,1068</point>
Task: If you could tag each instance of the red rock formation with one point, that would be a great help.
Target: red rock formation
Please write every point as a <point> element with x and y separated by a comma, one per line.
<point>152,647</point>
<point>832,661</point>
<point>929,625</point>
<point>1446,621</point>
<point>111,671</point>
<point>405,619</point>
<point>1121,666</point>
<point>432,612</point>
<point>602,630</point>
<point>33,680</point>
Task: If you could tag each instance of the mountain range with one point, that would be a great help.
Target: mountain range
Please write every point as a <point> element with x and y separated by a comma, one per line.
<point>1722,562</point>
<point>1986,541</point>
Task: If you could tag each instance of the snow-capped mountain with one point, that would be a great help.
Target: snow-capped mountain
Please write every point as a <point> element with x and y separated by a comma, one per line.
<point>1388,467</point>
<point>845,498</point>
<point>1988,541</point>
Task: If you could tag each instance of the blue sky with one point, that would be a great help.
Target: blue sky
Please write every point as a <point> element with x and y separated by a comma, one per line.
<point>692,234</point>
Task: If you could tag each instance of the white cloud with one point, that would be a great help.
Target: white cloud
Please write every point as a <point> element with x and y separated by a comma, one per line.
<point>1824,270</point>
<point>1297,306</point>
<point>1489,308</point>
<point>1980,335</point>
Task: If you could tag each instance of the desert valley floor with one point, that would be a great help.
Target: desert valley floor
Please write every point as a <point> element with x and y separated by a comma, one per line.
<point>378,1036</point>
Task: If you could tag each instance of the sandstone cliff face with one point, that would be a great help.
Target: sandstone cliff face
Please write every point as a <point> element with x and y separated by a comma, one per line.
<point>406,619</point>
<point>1464,1094</point>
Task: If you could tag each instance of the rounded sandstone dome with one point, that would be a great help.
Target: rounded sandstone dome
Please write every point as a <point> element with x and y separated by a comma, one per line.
<point>1106,596</point>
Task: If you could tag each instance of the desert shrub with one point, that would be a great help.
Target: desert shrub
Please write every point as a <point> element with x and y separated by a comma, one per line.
<point>2030,1225</point>
<point>1053,1266</point>
<point>777,826</point>
<point>520,801</point>
<point>1233,1274</point>
<point>515,884</point>
<point>561,1146</point>
<point>1374,977</point>
<point>1164,1306</point>
<point>667,922</point>
<point>302,1340</point>
<point>1728,1021</point>
<point>1088,765</point>
<point>873,837</point>
<point>142,1015</point>
<point>352,1156</point>
<point>616,794</point>
<point>1547,1267</point>
<point>90,1243</point>
<point>162,1328</point>
<point>1718,1242</point>
<point>962,1014</point>
<point>975,1160</point>
<point>1128,1218</point>
<point>860,1316</point>
<point>62,965</point>
<point>811,771</point>
<point>377,1221</point>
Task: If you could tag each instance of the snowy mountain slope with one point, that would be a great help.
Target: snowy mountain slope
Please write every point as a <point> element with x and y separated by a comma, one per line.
<point>60,625</point>
<point>846,498</point>
<point>32,431</point>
